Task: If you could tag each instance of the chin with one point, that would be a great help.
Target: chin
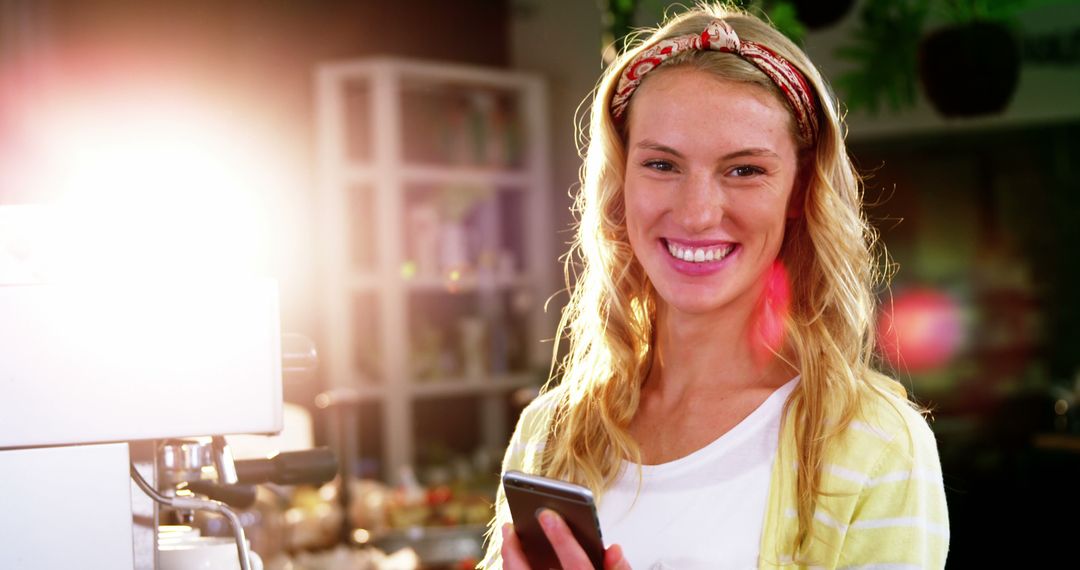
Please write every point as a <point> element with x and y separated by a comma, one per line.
<point>690,304</point>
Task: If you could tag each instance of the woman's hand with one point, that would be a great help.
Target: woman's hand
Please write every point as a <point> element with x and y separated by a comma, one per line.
<point>571,555</point>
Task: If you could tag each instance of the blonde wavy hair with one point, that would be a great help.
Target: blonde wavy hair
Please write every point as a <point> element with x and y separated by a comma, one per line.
<point>610,316</point>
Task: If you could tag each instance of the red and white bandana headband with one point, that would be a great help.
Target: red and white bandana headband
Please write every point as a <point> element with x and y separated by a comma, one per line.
<point>719,36</point>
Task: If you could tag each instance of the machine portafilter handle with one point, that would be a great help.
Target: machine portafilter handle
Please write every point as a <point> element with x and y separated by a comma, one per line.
<point>236,496</point>
<point>306,467</point>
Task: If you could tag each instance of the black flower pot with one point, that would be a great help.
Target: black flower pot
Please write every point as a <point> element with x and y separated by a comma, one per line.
<point>970,70</point>
<point>817,14</point>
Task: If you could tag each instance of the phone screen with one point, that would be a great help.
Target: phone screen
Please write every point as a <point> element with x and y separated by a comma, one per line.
<point>528,494</point>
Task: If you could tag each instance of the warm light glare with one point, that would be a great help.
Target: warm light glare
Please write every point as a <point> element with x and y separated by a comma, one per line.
<point>361,536</point>
<point>154,190</point>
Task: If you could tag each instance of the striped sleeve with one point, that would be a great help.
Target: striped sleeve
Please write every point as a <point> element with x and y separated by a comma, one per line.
<point>493,538</point>
<point>523,454</point>
<point>900,519</point>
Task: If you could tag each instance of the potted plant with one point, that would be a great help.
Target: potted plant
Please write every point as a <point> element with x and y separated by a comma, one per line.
<point>971,66</point>
<point>968,64</point>
<point>820,14</point>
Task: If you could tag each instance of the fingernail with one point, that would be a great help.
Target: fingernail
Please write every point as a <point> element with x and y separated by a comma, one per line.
<point>547,519</point>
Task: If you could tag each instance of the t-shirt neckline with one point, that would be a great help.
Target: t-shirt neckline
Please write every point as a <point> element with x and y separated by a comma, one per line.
<point>770,407</point>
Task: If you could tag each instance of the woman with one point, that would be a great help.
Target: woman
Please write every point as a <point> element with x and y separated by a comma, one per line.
<point>718,396</point>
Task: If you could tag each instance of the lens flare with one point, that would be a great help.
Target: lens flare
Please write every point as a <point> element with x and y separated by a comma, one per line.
<point>772,314</point>
<point>922,330</point>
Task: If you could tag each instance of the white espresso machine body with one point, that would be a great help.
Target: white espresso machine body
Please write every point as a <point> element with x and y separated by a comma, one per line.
<point>86,368</point>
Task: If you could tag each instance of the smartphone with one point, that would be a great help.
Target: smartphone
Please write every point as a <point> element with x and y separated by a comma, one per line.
<point>528,494</point>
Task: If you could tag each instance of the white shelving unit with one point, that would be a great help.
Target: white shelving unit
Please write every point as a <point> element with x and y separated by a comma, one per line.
<point>434,215</point>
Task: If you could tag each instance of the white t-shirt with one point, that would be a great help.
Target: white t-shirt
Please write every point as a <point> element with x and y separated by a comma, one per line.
<point>705,510</point>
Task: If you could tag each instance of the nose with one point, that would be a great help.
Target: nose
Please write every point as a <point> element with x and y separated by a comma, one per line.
<point>699,204</point>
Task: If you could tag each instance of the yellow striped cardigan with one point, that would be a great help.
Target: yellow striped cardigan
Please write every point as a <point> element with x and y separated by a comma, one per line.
<point>883,505</point>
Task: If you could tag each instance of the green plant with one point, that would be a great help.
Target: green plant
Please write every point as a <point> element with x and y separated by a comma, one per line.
<point>780,13</point>
<point>884,50</point>
<point>618,23</point>
<point>786,19</point>
<point>884,47</point>
<point>618,19</point>
<point>961,11</point>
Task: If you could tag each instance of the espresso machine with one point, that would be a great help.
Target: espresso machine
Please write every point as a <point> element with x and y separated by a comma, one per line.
<point>116,400</point>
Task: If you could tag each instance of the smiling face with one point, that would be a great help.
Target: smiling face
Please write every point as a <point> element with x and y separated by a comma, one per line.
<point>711,165</point>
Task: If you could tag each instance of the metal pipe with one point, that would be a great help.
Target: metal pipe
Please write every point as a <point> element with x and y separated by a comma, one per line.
<point>200,505</point>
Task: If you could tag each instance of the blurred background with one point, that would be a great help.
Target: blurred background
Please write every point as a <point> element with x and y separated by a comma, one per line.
<point>404,171</point>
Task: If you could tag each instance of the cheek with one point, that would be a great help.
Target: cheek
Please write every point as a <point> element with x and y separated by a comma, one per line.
<point>633,209</point>
<point>764,219</point>
<point>638,220</point>
<point>642,207</point>
<point>774,209</point>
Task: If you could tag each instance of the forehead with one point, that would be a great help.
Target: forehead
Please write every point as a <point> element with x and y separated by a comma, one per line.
<point>693,108</point>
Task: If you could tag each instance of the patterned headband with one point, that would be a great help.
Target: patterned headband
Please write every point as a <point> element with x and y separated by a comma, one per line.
<point>719,36</point>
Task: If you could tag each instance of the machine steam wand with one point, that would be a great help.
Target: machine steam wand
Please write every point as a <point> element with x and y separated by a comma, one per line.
<point>196,504</point>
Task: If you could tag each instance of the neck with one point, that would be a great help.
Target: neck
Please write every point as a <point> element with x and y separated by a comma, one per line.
<point>714,353</point>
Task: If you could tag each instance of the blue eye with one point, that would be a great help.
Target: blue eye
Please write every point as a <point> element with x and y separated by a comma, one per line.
<point>746,170</point>
<point>659,165</point>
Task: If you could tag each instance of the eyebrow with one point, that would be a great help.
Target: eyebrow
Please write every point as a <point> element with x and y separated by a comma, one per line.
<point>649,144</point>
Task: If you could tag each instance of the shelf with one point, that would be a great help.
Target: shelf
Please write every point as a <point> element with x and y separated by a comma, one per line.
<point>1058,442</point>
<point>425,166</point>
<point>368,282</point>
<point>358,174</point>
<point>463,386</point>
<point>451,175</point>
<point>468,283</point>
<point>364,282</point>
<point>347,396</point>
<point>424,72</point>
<point>438,388</point>
<point>437,175</point>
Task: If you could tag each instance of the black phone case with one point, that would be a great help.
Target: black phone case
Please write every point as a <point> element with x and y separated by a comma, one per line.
<point>527,494</point>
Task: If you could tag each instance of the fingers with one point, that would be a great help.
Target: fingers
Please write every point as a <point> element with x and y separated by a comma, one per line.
<point>614,560</point>
<point>571,555</point>
<point>513,556</point>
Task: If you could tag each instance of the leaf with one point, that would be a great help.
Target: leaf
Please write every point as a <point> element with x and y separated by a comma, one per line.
<point>884,51</point>
<point>783,16</point>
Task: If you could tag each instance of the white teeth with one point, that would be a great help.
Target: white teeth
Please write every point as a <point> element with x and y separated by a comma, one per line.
<point>699,255</point>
